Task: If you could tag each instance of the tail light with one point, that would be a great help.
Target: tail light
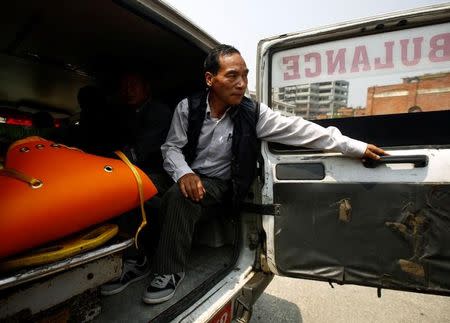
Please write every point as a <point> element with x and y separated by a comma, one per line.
<point>19,121</point>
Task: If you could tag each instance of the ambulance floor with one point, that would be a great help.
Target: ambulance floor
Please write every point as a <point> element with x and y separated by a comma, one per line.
<point>128,306</point>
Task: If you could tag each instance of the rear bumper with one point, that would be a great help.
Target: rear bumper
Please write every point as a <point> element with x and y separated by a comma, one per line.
<point>62,265</point>
<point>33,291</point>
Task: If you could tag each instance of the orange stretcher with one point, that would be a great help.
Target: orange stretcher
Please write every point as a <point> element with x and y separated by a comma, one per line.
<point>49,191</point>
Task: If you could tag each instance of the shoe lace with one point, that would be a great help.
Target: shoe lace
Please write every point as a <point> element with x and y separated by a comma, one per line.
<point>160,281</point>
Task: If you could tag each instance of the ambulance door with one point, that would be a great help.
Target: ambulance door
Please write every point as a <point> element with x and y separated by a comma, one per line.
<point>384,81</point>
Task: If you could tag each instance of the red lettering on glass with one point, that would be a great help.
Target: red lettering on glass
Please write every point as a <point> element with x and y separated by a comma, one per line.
<point>293,67</point>
<point>389,46</point>
<point>340,59</point>
<point>440,48</point>
<point>360,57</point>
<point>316,57</point>
<point>417,44</point>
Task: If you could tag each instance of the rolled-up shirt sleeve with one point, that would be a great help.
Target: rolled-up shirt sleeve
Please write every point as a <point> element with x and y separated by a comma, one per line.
<point>296,131</point>
<point>174,162</point>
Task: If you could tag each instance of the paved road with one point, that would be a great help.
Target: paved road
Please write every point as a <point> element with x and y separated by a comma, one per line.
<point>293,300</point>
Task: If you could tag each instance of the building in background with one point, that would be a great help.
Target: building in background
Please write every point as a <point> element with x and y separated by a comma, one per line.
<point>429,92</point>
<point>286,109</point>
<point>314,100</point>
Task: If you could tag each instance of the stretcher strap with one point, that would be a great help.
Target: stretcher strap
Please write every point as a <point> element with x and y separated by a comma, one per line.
<point>141,193</point>
<point>33,182</point>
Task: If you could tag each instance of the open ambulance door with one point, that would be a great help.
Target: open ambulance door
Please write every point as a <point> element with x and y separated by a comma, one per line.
<point>385,81</point>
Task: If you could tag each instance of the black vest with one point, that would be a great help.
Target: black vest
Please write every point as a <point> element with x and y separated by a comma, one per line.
<point>245,144</point>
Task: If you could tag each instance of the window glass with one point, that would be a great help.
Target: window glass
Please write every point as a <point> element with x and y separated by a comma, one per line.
<point>405,71</point>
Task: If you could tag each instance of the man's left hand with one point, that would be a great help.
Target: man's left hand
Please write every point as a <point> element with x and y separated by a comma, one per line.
<point>373,152</point>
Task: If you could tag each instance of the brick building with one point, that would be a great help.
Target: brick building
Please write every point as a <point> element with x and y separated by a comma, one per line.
<point>429,92</point>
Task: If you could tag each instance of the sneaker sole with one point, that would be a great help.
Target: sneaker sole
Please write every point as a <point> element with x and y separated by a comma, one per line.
<point>118,290</point>
<point>162,299</point>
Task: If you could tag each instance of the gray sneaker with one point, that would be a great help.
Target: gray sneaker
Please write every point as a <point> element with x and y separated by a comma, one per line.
<point>162,288</point>
<point>132,272</point>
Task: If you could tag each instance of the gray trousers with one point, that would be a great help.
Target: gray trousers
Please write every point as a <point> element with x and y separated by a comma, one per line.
<point>178,216</point>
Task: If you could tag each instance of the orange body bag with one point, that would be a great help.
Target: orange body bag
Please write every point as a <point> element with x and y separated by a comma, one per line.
<point>48,191</point>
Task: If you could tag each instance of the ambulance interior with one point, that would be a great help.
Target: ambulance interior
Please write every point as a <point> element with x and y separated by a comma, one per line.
<point>48,51</point>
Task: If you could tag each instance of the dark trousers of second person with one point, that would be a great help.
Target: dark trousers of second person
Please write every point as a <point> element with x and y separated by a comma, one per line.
<point>178,218</point>
<point>129,222</point>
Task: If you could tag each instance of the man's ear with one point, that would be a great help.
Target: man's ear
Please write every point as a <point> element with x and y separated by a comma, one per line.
<point>209,78</point>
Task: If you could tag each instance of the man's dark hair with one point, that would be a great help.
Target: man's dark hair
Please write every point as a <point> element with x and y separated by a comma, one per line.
<point>212,63</point>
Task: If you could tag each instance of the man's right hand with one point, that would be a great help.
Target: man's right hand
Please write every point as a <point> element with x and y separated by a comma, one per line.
<point>191,186</point>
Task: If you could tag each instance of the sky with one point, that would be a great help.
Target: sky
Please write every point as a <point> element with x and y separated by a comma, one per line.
<point>242,23</point>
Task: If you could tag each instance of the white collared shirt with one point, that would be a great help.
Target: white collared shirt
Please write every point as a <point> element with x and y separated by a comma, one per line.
<point>213,156</point>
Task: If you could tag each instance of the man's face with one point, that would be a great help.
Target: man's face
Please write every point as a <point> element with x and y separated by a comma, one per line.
<point>133,91</point>
<point>230,82</point>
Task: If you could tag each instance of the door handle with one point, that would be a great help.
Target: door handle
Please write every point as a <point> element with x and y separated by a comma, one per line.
<point>417,160</point>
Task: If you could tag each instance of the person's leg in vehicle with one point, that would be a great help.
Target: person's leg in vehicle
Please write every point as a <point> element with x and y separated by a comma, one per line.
<point>178,215</point>
<point>136,262</point>
<point>149,237</point>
